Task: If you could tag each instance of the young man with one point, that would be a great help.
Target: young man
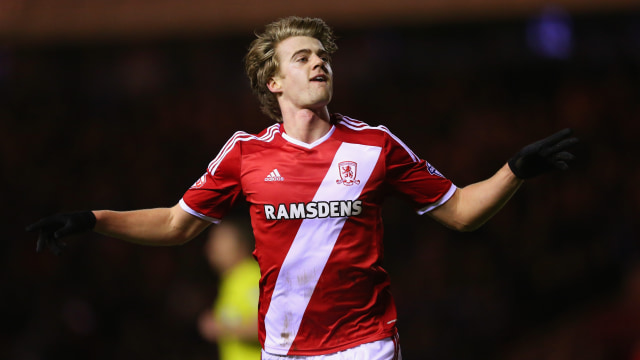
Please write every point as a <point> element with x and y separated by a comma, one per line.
<point>315,182</point>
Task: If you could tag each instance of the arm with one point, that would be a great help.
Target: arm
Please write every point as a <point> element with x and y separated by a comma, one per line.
<point>160,226</point>
<point>470,207</point>
<point>473,205</point>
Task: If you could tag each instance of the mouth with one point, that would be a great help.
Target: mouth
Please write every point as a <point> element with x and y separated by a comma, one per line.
<point>319,78</point>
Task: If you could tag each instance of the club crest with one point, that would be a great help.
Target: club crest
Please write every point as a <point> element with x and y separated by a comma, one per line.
<point>200,183</point>
<point>348,172</point>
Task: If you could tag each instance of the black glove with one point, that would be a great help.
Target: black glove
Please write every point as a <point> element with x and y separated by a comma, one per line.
<point>544,155</point>
<point>53,228</point>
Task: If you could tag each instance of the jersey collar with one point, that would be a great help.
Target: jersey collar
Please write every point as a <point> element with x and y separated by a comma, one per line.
<point>304,144</point>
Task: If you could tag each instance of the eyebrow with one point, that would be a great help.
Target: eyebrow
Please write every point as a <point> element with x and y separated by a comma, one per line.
<point>308,51</point>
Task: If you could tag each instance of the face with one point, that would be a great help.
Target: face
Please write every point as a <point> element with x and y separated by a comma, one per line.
<point>223,249</point>
<point>305,78</point>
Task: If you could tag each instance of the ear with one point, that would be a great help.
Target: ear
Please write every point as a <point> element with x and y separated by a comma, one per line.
<point>274,85</point>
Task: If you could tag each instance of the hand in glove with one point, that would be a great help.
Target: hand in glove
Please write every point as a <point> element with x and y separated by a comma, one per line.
<point>53,228</point>
<point>543,156</point>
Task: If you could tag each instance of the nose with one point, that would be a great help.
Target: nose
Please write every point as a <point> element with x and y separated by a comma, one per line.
<point>318,62</point>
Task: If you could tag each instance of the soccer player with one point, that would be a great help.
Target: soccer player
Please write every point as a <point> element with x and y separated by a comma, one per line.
<point>315,182</point>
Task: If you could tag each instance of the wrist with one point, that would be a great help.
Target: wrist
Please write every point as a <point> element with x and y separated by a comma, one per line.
<point>88,219</point>
<point>512,164</point>
<point>511,175</point>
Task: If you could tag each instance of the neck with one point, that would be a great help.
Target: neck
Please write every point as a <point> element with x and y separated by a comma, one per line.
<point>228,268</point>
<point>307,125</point>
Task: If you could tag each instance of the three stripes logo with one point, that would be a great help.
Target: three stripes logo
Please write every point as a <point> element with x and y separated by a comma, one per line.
<point>274,175</point>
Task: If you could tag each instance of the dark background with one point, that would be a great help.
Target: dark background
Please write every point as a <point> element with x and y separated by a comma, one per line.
<point>123,123</point>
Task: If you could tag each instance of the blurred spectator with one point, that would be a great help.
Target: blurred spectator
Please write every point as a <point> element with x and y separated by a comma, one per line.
<point>233,321</point>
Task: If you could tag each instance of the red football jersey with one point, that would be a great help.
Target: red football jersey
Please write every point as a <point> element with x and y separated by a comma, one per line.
<point>316,216</point>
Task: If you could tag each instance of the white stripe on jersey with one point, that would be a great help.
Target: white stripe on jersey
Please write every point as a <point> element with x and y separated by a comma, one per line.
<point>310,250</point>
<point>443,199</point>
<point>359,125</point>
<point>241,136</point>
<point>188,209</point>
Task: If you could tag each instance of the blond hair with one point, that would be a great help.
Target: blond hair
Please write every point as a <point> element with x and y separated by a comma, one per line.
<point>261,62</point>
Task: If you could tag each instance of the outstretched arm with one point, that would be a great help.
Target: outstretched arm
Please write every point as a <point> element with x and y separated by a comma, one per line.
<point>160,226</point>
<point>472,206</point>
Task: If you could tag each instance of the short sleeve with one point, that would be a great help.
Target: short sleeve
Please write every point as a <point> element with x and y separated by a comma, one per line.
<point>215,192</point>
<point>414,178</point>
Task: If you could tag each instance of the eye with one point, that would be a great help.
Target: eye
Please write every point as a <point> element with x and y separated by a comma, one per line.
<point>325,57</point>
<point>302,59</point>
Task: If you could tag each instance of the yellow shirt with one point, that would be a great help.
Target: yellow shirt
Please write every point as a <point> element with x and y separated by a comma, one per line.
<point>237,303</point>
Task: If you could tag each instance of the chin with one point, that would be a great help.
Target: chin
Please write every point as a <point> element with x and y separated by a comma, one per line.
<point>324,101</point>
<point>321,105</point>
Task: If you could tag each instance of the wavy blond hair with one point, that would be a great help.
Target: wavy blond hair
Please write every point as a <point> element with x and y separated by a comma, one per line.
<point>261,62</point>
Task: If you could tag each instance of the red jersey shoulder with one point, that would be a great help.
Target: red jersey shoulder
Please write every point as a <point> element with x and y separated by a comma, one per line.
<point>241,143</point>
<point>265,138</point>
<point>248,141</point>
<point>377,136</point>
<point>356,131</point>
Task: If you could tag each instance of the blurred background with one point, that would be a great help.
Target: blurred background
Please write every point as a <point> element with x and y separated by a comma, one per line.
<point>121,105</point>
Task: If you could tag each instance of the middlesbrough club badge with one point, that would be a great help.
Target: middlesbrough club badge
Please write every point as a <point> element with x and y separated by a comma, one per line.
<point>200,182</point>
<point>348,171</point>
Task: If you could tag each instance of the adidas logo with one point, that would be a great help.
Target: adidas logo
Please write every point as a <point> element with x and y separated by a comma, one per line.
<point>274,176</point>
